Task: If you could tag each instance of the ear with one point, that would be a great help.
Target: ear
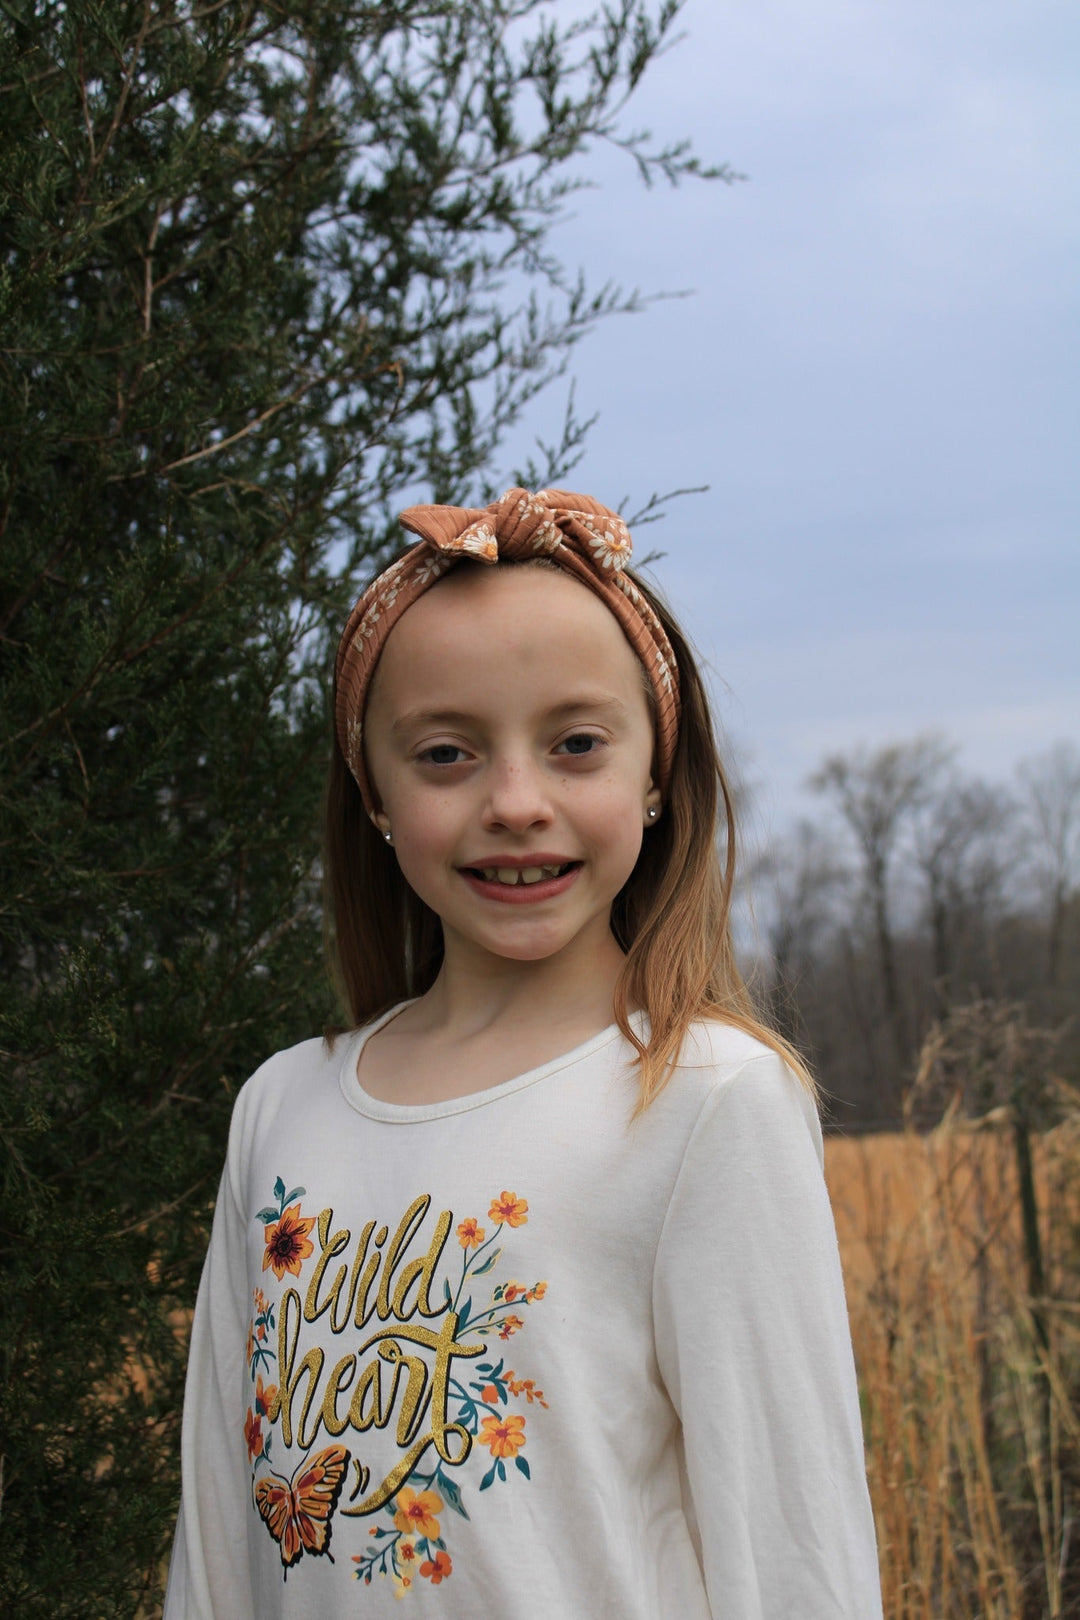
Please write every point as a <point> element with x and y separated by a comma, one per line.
<point>381,822</point>
<point>651,813</point>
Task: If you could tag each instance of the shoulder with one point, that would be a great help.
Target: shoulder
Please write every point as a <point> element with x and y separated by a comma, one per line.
<point>301,1072</point>
<point>712,1044</point>
<point>740,1085</point>
<point>305,1060</point>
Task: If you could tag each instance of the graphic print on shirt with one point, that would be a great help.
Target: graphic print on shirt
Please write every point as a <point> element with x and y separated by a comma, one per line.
<point>410,1363</point>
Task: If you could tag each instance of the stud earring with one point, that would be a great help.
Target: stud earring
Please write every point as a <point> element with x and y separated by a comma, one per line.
<point>653,812</point>
<point>387,836</point>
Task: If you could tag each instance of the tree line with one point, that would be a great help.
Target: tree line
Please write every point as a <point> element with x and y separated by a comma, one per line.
<point>918,890</point>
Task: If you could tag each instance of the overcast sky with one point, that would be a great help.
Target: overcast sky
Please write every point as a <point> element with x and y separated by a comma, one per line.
<point>877,373</point>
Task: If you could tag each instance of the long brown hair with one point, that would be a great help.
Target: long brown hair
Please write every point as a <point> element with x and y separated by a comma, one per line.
<point>672,918</point>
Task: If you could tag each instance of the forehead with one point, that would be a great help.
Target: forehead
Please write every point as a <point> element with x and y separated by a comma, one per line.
<point>482,627</point>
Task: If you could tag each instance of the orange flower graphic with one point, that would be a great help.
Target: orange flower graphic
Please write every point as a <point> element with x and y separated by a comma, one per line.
<point>253,1435</point>
<point>490,1394</point>
<point>526,1387</point>
<point>512,1291</point>
<point>510,1208</point>
<point>437,1571</point>
<point>536,1293</point>
<point>470,1235</point>
<point>510,1325</point>
<point>503,1436</point>
<point>265,1395</point>
<point>417,1514</point>
<point>287,1243</point>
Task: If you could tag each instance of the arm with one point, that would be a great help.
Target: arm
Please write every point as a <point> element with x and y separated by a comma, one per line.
<point>754,1347</point>
<point>209,1578</point>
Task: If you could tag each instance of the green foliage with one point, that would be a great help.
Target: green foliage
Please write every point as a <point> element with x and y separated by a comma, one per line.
<point>254,273</point>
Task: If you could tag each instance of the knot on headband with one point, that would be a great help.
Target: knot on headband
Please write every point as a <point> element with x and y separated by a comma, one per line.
<point>521,525</point>
<point>577,533</point>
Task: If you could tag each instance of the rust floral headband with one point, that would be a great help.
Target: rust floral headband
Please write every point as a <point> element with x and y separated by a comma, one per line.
<point>578,534</point>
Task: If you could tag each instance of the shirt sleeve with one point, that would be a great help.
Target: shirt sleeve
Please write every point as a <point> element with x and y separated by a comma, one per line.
<point>755,1351</point>
<point>209,1577</point>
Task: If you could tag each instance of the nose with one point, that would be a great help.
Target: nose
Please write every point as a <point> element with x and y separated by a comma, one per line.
<point>517,799</point>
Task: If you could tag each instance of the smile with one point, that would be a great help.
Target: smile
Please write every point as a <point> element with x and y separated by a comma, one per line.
<point>515,875</point>
<point>522,885</point>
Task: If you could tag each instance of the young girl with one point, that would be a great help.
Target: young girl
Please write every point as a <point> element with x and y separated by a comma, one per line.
<point>523,1297</point>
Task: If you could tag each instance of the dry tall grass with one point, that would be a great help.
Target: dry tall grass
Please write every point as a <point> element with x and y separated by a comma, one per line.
<point>969,1385</point>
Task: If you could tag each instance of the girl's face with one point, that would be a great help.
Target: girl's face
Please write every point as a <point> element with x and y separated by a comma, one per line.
<point>510,741</point>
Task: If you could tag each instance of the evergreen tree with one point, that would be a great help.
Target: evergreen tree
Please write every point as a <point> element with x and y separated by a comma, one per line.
<point>254,263</point>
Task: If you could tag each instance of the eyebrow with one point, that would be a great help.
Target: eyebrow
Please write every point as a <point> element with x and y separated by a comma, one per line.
<point>455,717</point>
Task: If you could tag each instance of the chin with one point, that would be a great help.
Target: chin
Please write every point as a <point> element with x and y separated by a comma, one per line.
<point>524,950</point>
<point>536,947</point>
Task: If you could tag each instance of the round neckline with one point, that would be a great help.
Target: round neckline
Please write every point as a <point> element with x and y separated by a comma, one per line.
<point>414,1113</point>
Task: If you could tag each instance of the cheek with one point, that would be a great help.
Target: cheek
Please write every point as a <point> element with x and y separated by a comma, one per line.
<point>614,821</point>
<point>424,825</point>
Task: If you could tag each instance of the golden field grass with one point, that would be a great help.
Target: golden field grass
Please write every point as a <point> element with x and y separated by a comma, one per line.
<point>969,1385</point>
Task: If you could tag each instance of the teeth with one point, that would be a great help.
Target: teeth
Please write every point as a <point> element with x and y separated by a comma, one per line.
<point>514,875</point>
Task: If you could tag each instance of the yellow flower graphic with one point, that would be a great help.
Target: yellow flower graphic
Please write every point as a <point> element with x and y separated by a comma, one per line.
<point>287,1243</point>
<point>503,1436</point>
<point>511,1324</point>
<point>510,1208</point>
<point>417,1515</point>
<point>470,1235</point>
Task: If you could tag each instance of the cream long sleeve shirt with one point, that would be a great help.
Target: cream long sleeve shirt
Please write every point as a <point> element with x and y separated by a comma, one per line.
<point>516,1356</point>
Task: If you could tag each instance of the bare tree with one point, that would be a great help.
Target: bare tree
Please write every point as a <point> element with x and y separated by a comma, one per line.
<point>1051,783</point>
<point>875,792</point>
<point>957,839</point>
<point>800,877</point>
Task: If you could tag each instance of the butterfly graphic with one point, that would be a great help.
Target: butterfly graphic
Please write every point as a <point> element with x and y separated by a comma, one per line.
<point>297,1511</point>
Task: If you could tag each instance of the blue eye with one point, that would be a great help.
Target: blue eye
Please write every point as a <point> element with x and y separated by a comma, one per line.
<point>441,754</point>
<point>580,744</point>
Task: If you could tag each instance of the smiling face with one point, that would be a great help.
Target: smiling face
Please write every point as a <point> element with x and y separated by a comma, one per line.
<point>509,738</point>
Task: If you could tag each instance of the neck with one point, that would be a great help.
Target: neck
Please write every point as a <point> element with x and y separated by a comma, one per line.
<point>476,991</point>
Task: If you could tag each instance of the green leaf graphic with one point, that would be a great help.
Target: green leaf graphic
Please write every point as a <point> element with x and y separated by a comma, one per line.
<point>451,1494</point>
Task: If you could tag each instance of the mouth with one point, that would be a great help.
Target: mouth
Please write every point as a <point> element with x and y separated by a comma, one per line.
<point>521,884</point>
<point>521,876</point>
